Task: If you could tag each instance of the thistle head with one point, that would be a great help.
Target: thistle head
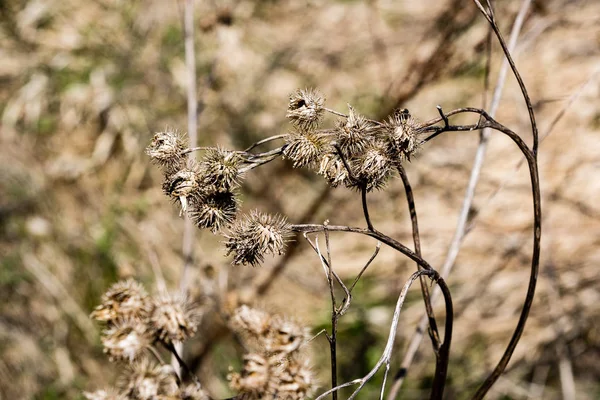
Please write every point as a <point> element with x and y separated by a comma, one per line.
<point>353,134</point>
<point>126,340</point>
<point>220,169</point>
<point>123,300</point>
<point>305,108</point>
<point>173,318</point>
<point>145,380</point>
<point>213,210</point>
<point>305,148</point>
<point>255,235</point>
<point>371,169</point>
<point>166,148</point>
<point>401,135</point>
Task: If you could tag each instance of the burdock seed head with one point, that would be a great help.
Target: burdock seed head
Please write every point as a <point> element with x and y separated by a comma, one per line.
<point>220,169</point>
<point>401,136</point>
<point>255,235</point>
<point>145,380</point>
<point>305,148</point>
<point>253,380</point>
<point>353,134</point>
<point>165,149</point>
<point>123,300</point>
<point>213,210</point>
<point>183,184</point>
<point>305,108</point>
<point>126,340</point>
<point>372,168</point>
<point>173,318</point>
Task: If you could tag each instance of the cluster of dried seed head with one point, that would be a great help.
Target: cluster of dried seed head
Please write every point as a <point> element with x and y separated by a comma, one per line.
<point>274,369</point>
<point>358,153</point>
<point>204,189</point>
<point>135,323</point>
<point>255,235</point>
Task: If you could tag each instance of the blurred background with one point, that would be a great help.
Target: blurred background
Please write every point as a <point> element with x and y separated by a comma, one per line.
<point>84,86</point>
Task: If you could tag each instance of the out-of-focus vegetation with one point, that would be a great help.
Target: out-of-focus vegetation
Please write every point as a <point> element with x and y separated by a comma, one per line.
<point>84,85</point>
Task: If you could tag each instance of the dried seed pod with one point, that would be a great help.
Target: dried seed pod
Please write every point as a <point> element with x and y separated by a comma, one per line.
<point>145,380</point>
<point>183,184</point>
<point>285,336</point>
<point>333,169</point>
<point>166,148</point>
<point>251,320</point>
<point>304,148</point>
<point>355,133</point>
<point>292,379</point>
<point>123,300</point>
<point>173,318</point>
<point>371,169</point>
<point>305,108</point>
<point>255,235</point>
<point>220,169</point>
<point>213,210</point>
<point>126,340</point>
<point>253,380</point>
<point>401,136</point>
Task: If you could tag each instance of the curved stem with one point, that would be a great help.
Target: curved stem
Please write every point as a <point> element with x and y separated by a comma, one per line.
<point>266,140</point>
<point>537,233</point>
<point>308,228</point>
<point>363,192</point>
<point>433,329</point>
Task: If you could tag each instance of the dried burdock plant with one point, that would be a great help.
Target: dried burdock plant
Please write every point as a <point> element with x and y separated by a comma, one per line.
<point>255,235</point>
<point>358,153</point>
<point>125,300</point>
<point>305,109</point>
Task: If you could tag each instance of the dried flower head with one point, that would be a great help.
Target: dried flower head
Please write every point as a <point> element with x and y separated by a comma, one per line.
<point>371,169</point>
<point>285,336</point>
<point>213,210</point>
<point>126,340</point>
<point>105,394</point>
<point>251,320</point>
<point>220,169</point>
<point>255,235</point>
<point>147,381</point>
<point>165,149</point>
<point>123,300</point>
<point>173,318</point>
<point>253,380</point>
<point>304,148</point>
<point>333,169</point>
<point>305,108</point>
<point>401,135</point>
<point>353,134</point>
<point>293,379</point>
<point>183,184</point>
<point>193,391</point>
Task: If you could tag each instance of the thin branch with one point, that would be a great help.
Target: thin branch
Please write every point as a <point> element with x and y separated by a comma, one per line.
<point>387,353</point>
<point>363,192</point>
<point>375,253</point>
<point>267,140</point>
<point>169,346</point>
<point>433,331</point>
<point>334,315</point>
